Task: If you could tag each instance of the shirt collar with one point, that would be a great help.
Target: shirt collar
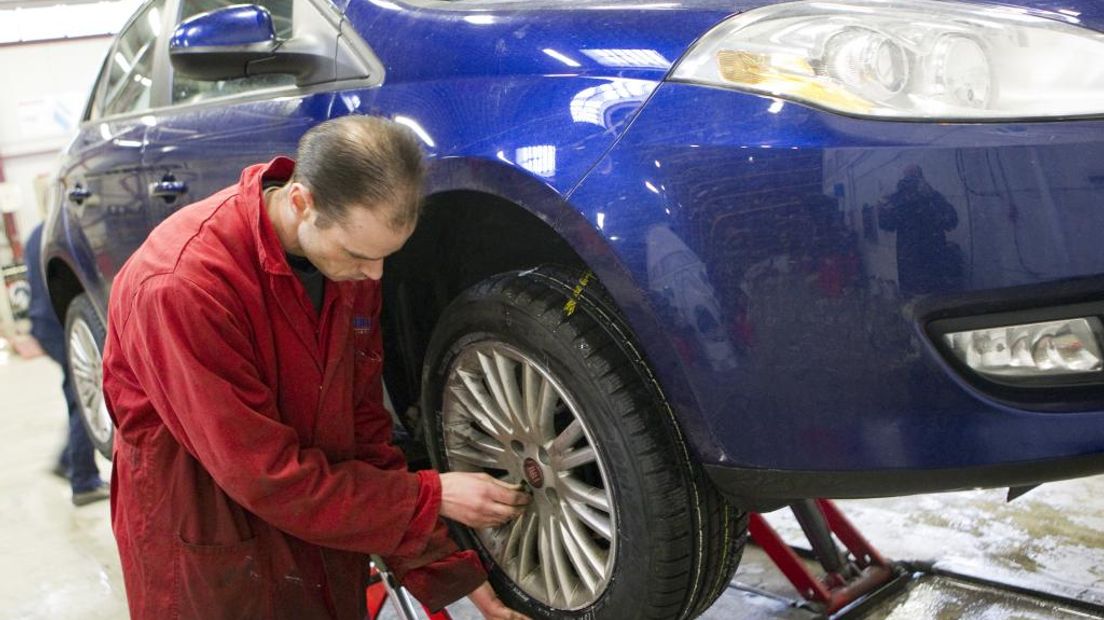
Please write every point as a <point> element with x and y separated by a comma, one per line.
<point>272,256</point>
<point>251,193</point>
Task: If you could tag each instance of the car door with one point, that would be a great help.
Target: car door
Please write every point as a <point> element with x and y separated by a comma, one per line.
<point>212,129</point>
<point>102,177</point>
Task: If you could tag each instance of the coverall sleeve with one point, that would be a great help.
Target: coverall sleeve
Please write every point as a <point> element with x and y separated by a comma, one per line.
<point>441,573</point>
<point>194,360</point>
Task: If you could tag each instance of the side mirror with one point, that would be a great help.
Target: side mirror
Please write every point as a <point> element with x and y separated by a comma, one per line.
<point>225,43</point>
<point>239,41</point>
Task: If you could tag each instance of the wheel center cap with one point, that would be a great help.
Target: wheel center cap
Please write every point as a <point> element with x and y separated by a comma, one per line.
<point>533,473</point>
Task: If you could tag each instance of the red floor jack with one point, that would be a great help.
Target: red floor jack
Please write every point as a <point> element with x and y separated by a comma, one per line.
<point>851,582</point>
<point>384,587</point>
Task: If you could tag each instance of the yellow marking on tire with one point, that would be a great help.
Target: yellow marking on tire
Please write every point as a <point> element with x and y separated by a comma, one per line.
<point>577,292</point>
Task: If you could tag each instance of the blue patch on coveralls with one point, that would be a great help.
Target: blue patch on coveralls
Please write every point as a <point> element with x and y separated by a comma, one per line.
<point>362,324</point>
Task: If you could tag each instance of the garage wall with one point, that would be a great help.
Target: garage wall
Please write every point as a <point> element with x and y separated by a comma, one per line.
<point>45,87</point>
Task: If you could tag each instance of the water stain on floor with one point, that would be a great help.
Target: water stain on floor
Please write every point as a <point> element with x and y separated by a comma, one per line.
<point>938,598</point>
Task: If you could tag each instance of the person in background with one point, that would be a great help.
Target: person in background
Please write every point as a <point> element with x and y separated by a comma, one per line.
<point>77,462</point>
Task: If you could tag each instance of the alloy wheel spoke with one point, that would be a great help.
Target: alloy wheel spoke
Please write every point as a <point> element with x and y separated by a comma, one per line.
<point>468,445</point>
<point>559,562</point>
<point>527,557</point>
<point>515,542</point>
<point>76,348</point>
<point>495,382</point>
<point>507,374</point>
<point>595,557</point>
<point>532,381</point>
<point>79,342</point>
<point>546,409</point>
<point>82,380</point>
<point>486,444</point>
<point>577,557</point>
<point>544,534</point>
<point>88,398</point>
<point>599,523</point>
<point>513,537</point>
<point>470,411</point>
<point>474,410</point>
<point>84,367</point>
<point>474,458</point>
<point>486,403</point>
<point>575,458</point>
<point>568,438</point>
<point>81,367</point>
<point>583,492</point>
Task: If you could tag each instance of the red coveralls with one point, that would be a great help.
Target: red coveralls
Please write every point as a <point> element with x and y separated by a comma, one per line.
<point>253,464</point>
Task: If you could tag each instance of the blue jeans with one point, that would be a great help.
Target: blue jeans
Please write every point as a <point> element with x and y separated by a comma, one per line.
<point>78,457</point>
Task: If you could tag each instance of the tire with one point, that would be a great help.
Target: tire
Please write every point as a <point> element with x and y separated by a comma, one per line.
<point>84,338</point>
<point>537,381</point>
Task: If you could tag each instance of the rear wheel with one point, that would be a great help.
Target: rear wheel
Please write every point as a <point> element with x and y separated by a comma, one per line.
<point>85,335</point>
<point>532,378</point>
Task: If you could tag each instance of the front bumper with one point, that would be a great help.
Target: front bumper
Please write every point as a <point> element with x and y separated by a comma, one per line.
<point>793,267</point>
<point>763,490</point>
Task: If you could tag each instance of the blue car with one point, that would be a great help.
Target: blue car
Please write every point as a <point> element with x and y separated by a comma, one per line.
<point>679,259</point>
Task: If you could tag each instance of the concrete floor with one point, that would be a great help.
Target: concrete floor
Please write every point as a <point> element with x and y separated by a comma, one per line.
<point>59,562</point>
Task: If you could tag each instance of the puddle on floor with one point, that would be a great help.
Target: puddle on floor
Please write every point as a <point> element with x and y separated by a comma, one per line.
<point>939,598</point>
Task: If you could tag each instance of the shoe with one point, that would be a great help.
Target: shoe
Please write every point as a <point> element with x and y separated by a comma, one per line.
<point>99,493</point>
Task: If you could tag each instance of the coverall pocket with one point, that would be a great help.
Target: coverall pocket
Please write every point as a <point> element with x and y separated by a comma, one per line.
<point>215,582</point>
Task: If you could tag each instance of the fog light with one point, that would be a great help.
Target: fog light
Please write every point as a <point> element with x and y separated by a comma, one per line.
<point>1053,348</point>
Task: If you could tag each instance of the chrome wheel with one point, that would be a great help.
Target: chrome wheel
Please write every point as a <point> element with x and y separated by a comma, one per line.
<point>505,414</point>
<point>86,364</point>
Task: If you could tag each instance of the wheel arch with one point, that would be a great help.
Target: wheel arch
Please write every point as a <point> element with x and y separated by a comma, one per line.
<point>464,237</point>
<point>69,265</point>
<point>63,285</point>
<point>481,219</point>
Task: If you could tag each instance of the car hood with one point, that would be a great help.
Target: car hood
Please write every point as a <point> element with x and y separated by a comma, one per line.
<point>1088,13</point>
<point>540,37</point>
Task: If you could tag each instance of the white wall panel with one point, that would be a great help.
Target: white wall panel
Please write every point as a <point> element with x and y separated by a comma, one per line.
<point>45,86</point>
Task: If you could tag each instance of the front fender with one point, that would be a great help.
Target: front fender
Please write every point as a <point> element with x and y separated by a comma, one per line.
<point>631,298</point>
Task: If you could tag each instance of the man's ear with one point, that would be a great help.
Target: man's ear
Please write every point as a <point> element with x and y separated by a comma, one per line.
<point>301,200</point>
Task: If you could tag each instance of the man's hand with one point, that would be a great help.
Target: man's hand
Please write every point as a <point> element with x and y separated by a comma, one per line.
<point>488,603</point>
<point>479,501</point>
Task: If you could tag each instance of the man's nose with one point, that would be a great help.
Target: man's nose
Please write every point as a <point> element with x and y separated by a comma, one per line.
<point>373,270</point>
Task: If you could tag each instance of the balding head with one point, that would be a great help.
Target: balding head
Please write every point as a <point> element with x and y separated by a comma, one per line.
<point>362,161</point>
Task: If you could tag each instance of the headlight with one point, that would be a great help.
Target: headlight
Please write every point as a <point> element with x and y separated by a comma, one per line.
<point>907,59</point>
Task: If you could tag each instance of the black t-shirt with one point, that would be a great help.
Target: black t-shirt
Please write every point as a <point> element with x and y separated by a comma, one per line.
<point>313,280</point>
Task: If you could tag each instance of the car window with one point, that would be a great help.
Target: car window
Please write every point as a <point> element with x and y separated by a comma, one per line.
<point>94,108</point>
<point>130,66</point>
<point>188,90</point>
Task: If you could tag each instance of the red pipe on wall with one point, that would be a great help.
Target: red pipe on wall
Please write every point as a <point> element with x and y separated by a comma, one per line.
<point>11,228</point>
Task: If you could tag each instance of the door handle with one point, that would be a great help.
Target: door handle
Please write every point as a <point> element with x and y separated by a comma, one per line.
<point>79,194</point>
<point>168,188</point>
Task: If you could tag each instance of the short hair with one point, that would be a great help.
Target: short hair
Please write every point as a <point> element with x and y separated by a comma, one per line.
<point>365,161</point>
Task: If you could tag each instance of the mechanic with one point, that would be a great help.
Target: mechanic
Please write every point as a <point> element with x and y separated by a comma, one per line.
<point>253,460</point>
